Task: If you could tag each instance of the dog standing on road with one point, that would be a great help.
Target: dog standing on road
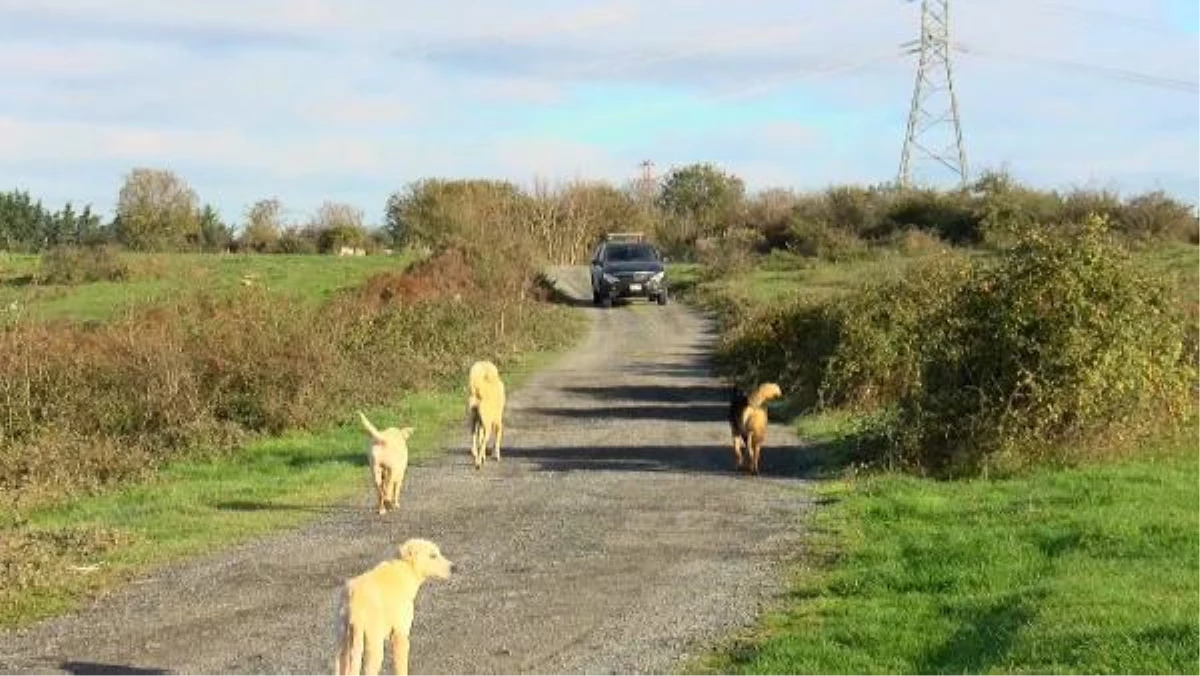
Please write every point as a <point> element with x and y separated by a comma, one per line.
<point>388,453</point>
<point>378,606</point>
<point>485,409</point>
<point>748,424</point>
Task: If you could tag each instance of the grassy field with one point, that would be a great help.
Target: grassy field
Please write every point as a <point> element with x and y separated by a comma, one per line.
<point>158,278</point>
<point>1086,570</point>
<point>784,277</point>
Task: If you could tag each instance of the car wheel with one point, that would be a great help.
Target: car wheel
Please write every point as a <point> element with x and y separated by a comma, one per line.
<point>662,298</point>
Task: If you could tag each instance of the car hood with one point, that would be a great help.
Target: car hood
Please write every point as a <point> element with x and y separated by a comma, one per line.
<point>633,266</point>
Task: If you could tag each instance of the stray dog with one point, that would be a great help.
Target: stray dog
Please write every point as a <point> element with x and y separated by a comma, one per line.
<point>748,424</point>
<point>388,452</point>
<point>485,409</point>
<point>378,606</point>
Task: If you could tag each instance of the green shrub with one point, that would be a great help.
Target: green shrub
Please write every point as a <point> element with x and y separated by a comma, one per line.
<point>913,242</point>
<point>859,351</point>
<point>82,265</point>
<point>729,253</point>
<point>295,242</point>
<point>1062,351</point>
<point>951,216</point>
<point>818,239</point>
<point>881,334</point>
<point>1155,216</point>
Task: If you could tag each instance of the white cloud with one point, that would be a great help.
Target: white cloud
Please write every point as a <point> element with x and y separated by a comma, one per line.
<point>296,97</point>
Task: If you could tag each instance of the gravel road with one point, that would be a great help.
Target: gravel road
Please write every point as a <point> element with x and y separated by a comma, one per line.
<point>612,538</point>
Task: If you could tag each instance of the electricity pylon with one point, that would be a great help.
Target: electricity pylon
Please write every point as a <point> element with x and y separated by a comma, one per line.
<point>934,104</point>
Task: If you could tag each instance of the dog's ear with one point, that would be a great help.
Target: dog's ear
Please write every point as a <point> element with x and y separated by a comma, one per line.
<point>408,551</point>
<point>406,433</point>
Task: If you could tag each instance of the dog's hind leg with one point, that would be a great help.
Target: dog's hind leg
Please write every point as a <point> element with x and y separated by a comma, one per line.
<point>755,453</point>
<point>737,451</point>
<point>383,480</point>
<point>498,430</point>
<point>350,659</point>
<point>373,654</point>
<point>479,443</point>
<point>399,653</point>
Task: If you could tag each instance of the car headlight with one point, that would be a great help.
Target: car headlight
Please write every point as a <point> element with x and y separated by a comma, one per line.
<point>610,279</point>
<point>657,277</point>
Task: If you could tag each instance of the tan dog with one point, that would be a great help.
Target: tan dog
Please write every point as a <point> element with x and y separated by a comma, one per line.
<point>388,453</point>
<point>748,423</point>
<point>378,606</point>
<point>485,408</point>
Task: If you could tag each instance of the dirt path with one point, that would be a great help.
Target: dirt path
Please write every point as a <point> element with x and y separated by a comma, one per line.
<point>613,538</point>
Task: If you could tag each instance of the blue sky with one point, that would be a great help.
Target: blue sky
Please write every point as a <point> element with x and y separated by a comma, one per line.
<point>349,100</point>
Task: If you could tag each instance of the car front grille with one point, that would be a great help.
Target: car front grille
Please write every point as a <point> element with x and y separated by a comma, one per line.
<point>634,276</point>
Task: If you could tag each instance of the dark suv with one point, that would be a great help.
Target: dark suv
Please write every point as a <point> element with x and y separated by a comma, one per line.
<point>627,269</point>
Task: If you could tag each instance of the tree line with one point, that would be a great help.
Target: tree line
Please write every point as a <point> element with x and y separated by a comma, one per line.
<point>690,206</point>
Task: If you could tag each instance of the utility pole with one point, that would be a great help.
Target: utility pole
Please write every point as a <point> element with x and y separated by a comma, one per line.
<point>934,104</point>
<point>647,181</point>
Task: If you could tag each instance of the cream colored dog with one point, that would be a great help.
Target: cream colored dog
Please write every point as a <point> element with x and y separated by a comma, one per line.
<point>378,606</point>
<point>388,453</point>
<point>748,419</point>
<point>485,407</point>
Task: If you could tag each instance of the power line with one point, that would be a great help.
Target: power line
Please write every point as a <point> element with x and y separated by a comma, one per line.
<point>1112,72</point>
<point>934,85</point>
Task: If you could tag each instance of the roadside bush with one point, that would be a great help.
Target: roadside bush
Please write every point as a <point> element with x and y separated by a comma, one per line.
<point>729,253</point>
<point>82,265</point>
<point>818,239</point>
<point>88,405</point>
<point>860,351</point>
<point>1062,351</point>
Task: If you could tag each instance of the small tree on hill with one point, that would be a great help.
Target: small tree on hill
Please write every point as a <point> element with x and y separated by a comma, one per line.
<point>157,211</point>
<point>264,225</point>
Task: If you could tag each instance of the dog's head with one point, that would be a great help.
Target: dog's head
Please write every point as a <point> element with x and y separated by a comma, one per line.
<point>770,391</point>
<point>425,557</point>
<point>764,393</point>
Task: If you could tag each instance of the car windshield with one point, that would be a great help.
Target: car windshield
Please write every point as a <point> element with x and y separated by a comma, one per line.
<point>630,252</point>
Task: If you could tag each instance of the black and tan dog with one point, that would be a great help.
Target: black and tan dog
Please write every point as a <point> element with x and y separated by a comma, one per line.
<point>748,424</point>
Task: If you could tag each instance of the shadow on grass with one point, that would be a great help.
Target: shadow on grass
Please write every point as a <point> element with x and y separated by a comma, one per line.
<point>985,636</point>
<point>263,506</point>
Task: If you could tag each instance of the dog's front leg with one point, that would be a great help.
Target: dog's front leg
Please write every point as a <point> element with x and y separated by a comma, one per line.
<point>737,451</point>
<point>399,653</point>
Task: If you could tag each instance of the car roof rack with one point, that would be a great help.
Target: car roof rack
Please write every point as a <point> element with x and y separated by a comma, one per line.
<point>625,237</point>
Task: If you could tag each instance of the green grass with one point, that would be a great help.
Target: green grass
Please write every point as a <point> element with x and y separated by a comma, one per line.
<point>195,507</point>
<point>159,278</point>
<point>1091,570</point>
<point>1086,570</point>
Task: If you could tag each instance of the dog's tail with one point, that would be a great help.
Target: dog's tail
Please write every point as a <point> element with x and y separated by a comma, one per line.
<point>350,640</point>
<point>369,427</point>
